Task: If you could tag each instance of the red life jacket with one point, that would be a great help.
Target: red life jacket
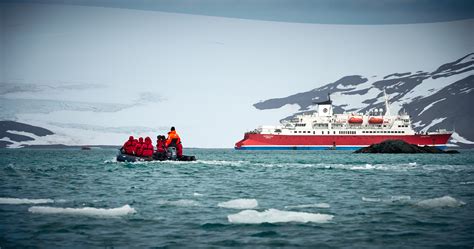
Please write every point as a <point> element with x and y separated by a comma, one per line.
<point>147,149</point>
<point>129,146</point>
<point>160,145</point>
<point>139,147</point>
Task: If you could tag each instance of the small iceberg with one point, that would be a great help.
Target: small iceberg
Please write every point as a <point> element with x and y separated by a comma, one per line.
<point>14,201</point>
<point>277,216</point>
<point>88,211</point>
<point>445,201</point>
<point>239,204</point>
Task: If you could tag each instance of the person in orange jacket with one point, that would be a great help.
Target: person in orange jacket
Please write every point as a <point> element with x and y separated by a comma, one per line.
<point>174,140</point>
<point>147,148</point>
<point>139,147</point>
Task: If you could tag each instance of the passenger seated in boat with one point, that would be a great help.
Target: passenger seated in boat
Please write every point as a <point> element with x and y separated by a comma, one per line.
<point>139,147</point>
<point>147,148</point>
<point>174,140</point>
<point>129,146</point>
<point>160,153</point>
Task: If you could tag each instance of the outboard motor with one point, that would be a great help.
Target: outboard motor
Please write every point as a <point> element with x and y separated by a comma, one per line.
<point>171,153</point>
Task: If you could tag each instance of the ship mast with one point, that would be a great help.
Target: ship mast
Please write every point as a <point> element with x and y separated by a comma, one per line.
<point>387,108</point>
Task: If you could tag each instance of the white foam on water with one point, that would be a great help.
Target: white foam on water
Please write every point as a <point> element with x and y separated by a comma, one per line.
<point>370,199</point>
<point>392,199</point>
<point>24,201</point>
<point>368,166</point>
<point>181,203</point>
<point>412,164</point>
<point>277,216</point>
<point>88,211</point>
<point>466,183</point>
<point>197,194</point>
<point>317,205</point>
<point>221,163</point>
<point>239,204</point>
<point>400,198</point>
<point>113,160</point>
<point>445,201</point>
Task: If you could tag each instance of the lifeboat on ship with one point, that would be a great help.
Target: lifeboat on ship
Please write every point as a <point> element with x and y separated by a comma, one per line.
<point>375,120</point>
<point>355,120</point>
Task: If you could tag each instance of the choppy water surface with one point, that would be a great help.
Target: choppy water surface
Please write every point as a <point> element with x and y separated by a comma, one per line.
<point>72,198</point>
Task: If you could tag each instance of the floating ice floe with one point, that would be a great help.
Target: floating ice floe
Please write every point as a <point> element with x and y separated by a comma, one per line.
<point>317,205</point>
<point>239,204</point>
<point>180,203</point>
<point>24,201</point>
<point>277,216</point>
<point>88,211</point>
<point>445,201</point>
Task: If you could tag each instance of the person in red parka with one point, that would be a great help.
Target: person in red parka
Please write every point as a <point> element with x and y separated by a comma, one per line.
<point>147,149</point>
<point>139,147</point>
<point>160,144</point>
<point>129,146</point>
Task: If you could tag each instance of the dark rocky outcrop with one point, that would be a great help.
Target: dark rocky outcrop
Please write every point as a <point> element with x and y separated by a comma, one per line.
<point>7,126</point>
<point>399,146</point>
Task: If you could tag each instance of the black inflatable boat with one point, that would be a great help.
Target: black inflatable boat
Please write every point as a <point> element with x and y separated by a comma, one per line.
<point>170,155</point>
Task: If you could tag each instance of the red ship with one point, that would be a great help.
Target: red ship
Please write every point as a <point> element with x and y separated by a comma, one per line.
<point>324,130</point>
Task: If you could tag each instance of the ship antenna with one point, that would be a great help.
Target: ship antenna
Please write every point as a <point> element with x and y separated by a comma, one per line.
<point>387,108</point>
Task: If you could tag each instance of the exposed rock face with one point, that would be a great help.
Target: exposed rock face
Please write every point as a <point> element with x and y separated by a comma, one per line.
<point>399,146</point>
<point>8,129</point>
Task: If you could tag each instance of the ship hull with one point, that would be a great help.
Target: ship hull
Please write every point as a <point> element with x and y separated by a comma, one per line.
<point>255,141</point>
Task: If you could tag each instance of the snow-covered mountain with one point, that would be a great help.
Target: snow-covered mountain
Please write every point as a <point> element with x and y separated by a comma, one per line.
<point>14,134</point>
<point>442,98</point>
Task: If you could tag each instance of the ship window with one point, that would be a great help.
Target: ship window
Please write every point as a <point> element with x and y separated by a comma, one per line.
<point>304,131</point>
<point>334,132</point>
<point>299,131</point>
<point>314,132</point>
<point>322,132</point>
<point>295,131</point>
<point>403,131</point>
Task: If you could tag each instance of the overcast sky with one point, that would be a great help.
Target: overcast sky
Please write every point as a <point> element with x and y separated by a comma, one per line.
<point>306,11</point>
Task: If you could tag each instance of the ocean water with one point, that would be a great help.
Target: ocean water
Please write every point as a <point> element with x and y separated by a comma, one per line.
<point>245,199</point>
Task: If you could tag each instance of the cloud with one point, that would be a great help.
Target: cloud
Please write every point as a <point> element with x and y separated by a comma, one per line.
<point>10,88</point>
<point>113,129</point>
<point>149,97</point>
